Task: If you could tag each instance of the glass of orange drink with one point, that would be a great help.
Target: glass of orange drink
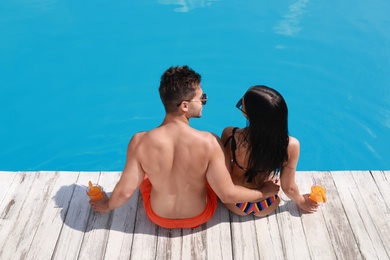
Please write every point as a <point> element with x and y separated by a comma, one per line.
<point>94,191</point>
<point>318,193</point>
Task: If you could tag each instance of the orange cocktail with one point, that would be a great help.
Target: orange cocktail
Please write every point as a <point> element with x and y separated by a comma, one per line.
<point>94,191</point>
<point>318,193</point>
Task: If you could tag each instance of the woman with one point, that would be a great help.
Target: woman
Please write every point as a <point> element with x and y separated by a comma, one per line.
<point>263,151</point>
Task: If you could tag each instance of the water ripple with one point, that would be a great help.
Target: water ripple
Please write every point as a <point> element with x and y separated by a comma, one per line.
<point>290,25</point>
<point>187,5</point>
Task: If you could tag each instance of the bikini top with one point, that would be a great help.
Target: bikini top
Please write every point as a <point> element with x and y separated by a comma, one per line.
<point>249,174</point>
<point>234,148</point>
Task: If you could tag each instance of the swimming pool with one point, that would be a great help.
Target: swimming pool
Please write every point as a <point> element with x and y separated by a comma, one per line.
<point>79,79</point>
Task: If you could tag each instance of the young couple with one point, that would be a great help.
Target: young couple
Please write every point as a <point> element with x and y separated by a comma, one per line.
<point>181,171</point>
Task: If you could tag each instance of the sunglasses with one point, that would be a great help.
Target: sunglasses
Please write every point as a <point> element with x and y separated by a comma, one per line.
<point>239,105</point>
<point>202,100</point>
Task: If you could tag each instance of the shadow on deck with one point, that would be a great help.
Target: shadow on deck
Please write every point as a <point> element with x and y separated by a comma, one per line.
<point>44,215</point>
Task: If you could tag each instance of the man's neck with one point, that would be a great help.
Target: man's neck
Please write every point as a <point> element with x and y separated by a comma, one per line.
<point>178,119</point>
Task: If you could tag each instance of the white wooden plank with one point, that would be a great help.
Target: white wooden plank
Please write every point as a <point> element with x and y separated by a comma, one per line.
<point>7,202</point>
<point>24,228</point>
<point>269,237</point>
<point>184,243</point>
<point>382,180</point>
<point>122,225</point>
<point>376,207</point>
<point>169,243</point>
<point>364,230</point>
<point>211,240</point>
<point>180,244</point>
<point>6,179</point>
<point>11,208</point>
<point>194,243</point>
<point>293,240</point>
<point>51,223</point>
<point>245,244</point>
<point>336,219</point>
<point>317,236</point>
<point>98,225</point>
<point>96,236</point>
<point>267,228</point>
<point>145,235</point>
<point>76,219</point>
<point>97,231</point>
<point>219,245</point>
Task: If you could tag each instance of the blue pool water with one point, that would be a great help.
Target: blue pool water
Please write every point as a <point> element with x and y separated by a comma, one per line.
<point>78,79</point>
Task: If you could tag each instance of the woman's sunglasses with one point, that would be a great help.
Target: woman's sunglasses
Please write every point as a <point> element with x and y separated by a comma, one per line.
<point>239,105</point>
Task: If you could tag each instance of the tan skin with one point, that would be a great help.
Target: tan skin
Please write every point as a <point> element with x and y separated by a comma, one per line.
<point>287,179</point>
<point>178,160</point>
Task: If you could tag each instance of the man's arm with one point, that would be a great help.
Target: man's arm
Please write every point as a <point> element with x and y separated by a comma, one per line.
<point>221,182</point>
<point>129,181</point>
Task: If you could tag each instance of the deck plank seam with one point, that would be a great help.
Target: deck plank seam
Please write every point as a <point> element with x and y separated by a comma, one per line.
<point>65,216</point>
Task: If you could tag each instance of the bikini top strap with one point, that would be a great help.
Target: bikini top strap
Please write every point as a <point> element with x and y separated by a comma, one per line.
<point>234,144</point>
<point>234,148</point>
<point>227,141</point>
<point>230,137</point>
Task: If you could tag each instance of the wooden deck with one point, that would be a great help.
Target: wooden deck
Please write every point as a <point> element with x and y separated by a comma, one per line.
<point>44,215</point>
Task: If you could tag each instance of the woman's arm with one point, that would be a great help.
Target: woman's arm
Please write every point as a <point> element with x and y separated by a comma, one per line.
<point>287,179</point>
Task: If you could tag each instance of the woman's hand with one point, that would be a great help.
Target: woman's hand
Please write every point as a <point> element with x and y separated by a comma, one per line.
<point>307,205</point>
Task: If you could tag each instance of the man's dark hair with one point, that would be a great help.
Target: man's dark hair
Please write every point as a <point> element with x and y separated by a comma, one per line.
<point>177,84</point>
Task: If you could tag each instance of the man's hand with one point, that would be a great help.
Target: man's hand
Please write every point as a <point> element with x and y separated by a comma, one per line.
<point>100,205</point>
<point>307,205</point>
<point>270,188</point>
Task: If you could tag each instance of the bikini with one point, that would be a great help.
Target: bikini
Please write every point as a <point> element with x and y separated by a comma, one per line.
<point>248,207</point>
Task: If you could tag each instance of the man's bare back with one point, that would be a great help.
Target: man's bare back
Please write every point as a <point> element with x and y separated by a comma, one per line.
<point>175,158</point>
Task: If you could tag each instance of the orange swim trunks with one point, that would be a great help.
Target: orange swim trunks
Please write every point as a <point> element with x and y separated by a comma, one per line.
<point>193,222</point>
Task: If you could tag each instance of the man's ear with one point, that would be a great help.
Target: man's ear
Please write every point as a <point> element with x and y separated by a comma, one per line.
<point>184,106</point>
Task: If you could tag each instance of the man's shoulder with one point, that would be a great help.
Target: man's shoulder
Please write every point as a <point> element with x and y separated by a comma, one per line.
<point>139,135</point>
<point>137,138</point>
<point>206,136</point>
<point>209,140</point>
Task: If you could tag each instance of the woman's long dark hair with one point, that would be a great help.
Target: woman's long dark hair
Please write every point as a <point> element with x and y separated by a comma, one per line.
<point>266,134</point>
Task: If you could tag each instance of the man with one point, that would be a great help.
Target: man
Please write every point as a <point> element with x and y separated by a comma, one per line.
<point>175,165</point>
